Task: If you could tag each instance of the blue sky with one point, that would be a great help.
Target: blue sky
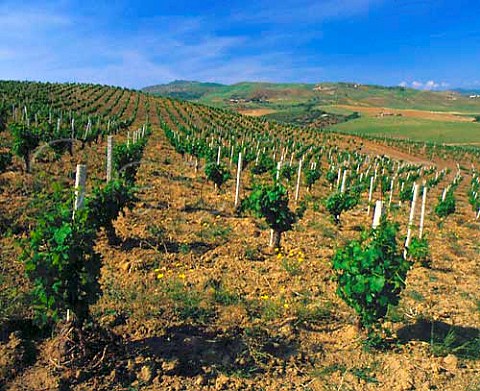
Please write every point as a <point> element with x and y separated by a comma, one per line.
<point>427,44</point>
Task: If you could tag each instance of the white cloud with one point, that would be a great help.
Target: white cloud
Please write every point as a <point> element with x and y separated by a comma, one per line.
<point>403,84</point>
<point>428,85</point>
<point>62,46</point>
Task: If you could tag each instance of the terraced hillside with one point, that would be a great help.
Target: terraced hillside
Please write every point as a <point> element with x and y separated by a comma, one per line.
<point>183,291</point>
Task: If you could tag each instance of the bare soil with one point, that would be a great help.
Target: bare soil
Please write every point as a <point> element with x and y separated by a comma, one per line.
<point>421,114</point>
<point>194,300</point>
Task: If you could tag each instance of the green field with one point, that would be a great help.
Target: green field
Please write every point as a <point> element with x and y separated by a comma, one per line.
<point>414,129</point>
<point>304,104</point>
<point>281,95</point>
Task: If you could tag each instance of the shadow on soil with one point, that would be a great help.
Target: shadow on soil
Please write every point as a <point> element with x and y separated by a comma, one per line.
<point>444,338</point>
<point>191,350</point>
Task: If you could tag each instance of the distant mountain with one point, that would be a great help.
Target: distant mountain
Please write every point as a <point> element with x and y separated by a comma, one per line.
<point>468,91</point>
<point>218,93</point>
<point>184,89</point>
<point>278,96</point>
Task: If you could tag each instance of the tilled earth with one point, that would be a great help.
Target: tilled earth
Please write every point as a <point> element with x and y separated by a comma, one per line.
<point>194,300</point>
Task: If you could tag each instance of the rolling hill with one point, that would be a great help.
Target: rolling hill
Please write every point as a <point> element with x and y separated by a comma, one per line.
<point>173,287</point>
<point>277,95</point>
<point>442,116</point>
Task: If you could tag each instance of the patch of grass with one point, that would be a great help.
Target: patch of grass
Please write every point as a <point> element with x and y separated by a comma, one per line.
<point>271,309</point>
<point>417,296</point>
<point>252,254</point>
<point>394,315</point>
<point>262,225</point>
<point>245,372</point>
<point>363,373</point>
<point>184,248</point>
<point>187,302</point>
<point>291,261</point>
<point>328,370</point>
<point>221,294</point>
<point>311,314</point>
<point>214,232</point>
<point>414,129</point>
<point>458,249</point>
<point>12,300</point>
<point>328,232</point>
<point>451,343</point>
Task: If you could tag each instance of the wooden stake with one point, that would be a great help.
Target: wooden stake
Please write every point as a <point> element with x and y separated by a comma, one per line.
<point>237,188</point>
<point>377,214</point>
<point>422,213</point>
<point>370,194</point>
<point>444,195</point>
<point>339,175</point>
<point>410,220</point>
<point>279,167</point>
<point>297,190</point>
<point>109,157</point>
<point>391,192</point>
<point>344,182</point>
<point>80,181</point>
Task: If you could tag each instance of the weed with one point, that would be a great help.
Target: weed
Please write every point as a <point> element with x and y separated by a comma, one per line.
<point>271,308</point>
<point>221,295</point>
<point>213,232</point>
<point>187,303</point>
<point>157,232</point>
<point>310,314</point>
<point>365,374</point>
<point>417,296</point>
<point>328,370</point>
<point>252,254</point>
<point>452,343</point>
<point>184,248</point>
<point>291,261</point>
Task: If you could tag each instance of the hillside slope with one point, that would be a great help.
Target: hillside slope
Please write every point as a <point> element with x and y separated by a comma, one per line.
<point>439,116</point>
<point>283,94</point>
<point>190,295</point>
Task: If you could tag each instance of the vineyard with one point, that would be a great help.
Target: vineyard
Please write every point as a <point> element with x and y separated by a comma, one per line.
<point>150,243</point>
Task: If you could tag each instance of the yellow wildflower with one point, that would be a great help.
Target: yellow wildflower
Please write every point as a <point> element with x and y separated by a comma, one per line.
<point>160,275</point>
